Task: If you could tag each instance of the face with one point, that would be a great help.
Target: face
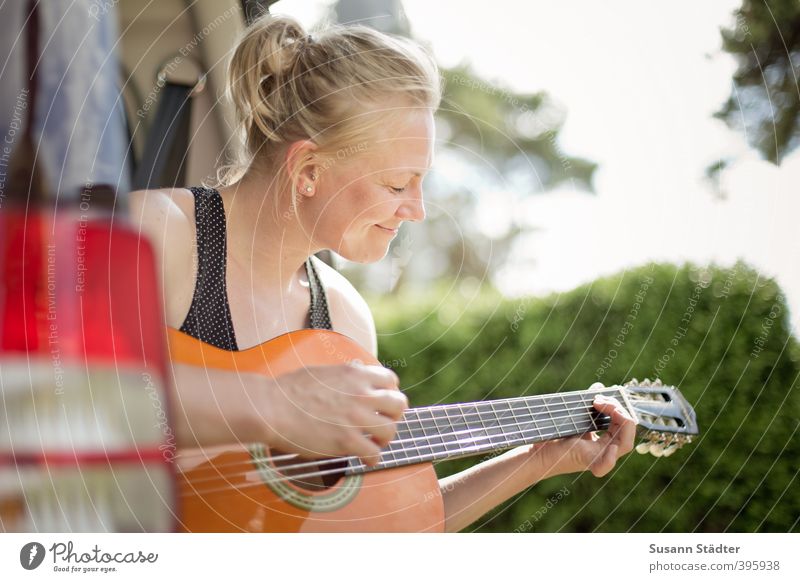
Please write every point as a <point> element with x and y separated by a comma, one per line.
<point>360,200</point>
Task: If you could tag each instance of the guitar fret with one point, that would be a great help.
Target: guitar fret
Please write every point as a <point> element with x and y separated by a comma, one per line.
<point>480,441</point>
<point>412,433</point>
<point>425,432</point>
<point>394,446</point>
<point>443,426</point>
<point>519,432</point>
<point>552,419</point>
<point>450,438</point>
<point>510,420</point>
<point>569,414</point>
<point>540,419</point>
<point>471,437</point>
<point>501,419</point>
<point>497,435</point>
<point>527,418</point>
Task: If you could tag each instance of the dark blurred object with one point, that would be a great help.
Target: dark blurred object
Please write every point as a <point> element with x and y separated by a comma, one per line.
<point>255,8</point>
<point>765,101</point>
<point>165,155</point>
<point>79,129</point>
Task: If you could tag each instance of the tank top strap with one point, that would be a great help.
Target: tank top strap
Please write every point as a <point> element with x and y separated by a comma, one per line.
<point>319,317</point>
<point>209,318</point>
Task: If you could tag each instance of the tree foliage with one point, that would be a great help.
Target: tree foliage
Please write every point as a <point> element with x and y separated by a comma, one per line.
<point>765,100</point>
<point>509,129</point>
<point>721,335</point>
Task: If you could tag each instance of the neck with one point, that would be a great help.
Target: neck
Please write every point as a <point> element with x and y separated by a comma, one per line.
<point>265,236</point>
<point>437,433</point>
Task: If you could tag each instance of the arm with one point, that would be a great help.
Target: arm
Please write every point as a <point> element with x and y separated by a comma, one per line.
<point>471,493</point>
<point>200,418</point>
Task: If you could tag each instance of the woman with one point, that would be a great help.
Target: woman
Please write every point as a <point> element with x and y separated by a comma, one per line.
<point>338,134</point>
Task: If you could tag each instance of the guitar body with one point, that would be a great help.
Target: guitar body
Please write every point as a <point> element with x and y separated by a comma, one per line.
<point>235,489</point>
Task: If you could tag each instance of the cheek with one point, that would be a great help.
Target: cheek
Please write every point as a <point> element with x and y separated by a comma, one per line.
<point>342,216</point>
<point>365,205</point>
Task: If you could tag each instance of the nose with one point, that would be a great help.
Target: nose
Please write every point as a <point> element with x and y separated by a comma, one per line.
<point>413,208</point>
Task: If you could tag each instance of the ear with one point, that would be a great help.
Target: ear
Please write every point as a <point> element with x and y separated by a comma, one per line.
<point>300,155</point>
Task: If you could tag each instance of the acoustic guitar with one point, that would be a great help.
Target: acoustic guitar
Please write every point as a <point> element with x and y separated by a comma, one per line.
<point>247,487</point>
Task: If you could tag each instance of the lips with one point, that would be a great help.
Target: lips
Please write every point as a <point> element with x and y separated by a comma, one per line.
<point>386,229</point>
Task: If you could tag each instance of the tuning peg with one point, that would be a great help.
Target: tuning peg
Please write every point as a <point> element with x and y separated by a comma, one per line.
<point>643,448</point>
<point>657,450</point>
<point>671,449</point>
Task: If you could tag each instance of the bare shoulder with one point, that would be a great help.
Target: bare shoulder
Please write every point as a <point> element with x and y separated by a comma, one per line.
<point>166,218</point>
<point>350,314</point>
<point>154,210</point>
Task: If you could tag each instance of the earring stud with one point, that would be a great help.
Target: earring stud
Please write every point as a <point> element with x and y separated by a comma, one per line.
<point>309,188</point>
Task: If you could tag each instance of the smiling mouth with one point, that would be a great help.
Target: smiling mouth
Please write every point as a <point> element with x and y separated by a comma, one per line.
<point>384,229</point>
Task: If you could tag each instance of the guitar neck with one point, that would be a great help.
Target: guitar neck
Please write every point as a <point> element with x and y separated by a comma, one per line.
<point>437,433</point>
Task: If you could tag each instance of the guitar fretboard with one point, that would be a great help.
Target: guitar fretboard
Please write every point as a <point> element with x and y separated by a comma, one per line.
<point>436,433</point>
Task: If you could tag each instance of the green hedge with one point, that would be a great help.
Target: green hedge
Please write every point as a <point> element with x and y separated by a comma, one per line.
<point>732,356</point>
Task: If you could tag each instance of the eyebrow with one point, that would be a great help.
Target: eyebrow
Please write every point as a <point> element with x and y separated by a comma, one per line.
<point>417,174</point>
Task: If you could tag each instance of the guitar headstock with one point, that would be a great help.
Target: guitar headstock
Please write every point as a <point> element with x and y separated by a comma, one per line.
<point>666,420</point>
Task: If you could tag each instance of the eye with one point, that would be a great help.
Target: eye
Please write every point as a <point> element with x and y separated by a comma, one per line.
<point>398,190</point>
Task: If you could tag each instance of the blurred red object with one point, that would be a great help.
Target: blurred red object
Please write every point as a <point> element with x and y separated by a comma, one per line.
<point>83,373</point>
<point>83,285</point>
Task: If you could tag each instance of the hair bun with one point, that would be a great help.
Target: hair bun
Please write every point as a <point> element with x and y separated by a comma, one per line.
<point>260,66</point>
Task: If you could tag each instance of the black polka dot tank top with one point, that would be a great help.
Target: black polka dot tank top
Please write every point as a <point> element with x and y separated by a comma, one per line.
<point>209,317</point>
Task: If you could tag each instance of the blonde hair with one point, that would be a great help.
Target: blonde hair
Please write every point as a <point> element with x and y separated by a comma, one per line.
<point>287,85</point>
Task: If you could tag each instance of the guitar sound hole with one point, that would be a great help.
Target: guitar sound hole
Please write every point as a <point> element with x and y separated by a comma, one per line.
<point>304,478</point>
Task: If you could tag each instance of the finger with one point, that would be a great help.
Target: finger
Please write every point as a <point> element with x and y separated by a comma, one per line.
<point>362,446</point>
<point>379,377</point>
<point>625,435</point>
<point>604,405</point>
<point>610,406</point>
<point>607,461</point>
<point>378,426</point>
<point>621,443</point>
<point>622,429</point>
<point>391,403</point>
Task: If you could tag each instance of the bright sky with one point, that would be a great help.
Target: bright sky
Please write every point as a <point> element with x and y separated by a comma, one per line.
<point>639,81</point>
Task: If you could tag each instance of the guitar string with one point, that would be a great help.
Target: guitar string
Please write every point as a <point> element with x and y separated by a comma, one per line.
<point>389,457</point>
<point>279,478</point>
<point>459,408</point>
<point>420,427</point>
<point>428,450</point>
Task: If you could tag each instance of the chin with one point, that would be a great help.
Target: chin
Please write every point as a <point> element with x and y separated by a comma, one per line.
<point>364,255</point>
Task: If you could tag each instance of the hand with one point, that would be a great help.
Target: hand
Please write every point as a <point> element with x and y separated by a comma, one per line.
<point>590,451</point>
<point>334,410</point>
